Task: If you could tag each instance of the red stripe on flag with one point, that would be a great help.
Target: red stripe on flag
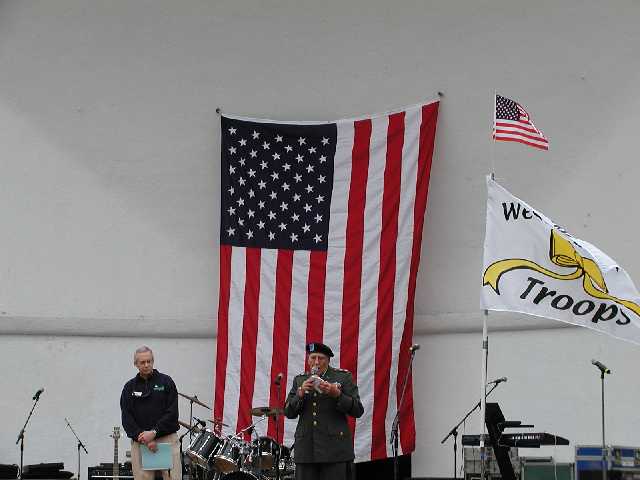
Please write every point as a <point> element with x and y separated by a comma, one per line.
<point>386,282</point>
<point>281,329</point>
<point>350,325</point>
<point>249,338</point>
<point>427,135</point>
<point>315,304</point>
<point>536,145</point>
<point>222,344</point>
<point>517,132</point>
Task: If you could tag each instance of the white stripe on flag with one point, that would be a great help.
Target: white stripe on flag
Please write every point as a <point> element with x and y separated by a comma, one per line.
<point>264,343</point>
<point>337,237</point>
<point>369,286</point>
<point>236,314</point>
<point>298,328</point>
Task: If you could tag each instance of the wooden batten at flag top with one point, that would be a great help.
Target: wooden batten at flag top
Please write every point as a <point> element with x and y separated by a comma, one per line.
<point>321,230</point>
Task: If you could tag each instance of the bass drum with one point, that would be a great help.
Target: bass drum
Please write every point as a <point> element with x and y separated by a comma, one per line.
<point>264,451</point>
<point>243,475</point>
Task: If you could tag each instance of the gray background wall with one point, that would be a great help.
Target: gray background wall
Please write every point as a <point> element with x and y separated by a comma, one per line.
<point>110,190</point>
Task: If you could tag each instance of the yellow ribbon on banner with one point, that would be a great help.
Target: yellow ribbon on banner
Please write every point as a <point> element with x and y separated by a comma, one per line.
<point>563,254</point>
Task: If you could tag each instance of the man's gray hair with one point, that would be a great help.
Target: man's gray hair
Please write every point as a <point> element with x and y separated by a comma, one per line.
<point>141,349</point>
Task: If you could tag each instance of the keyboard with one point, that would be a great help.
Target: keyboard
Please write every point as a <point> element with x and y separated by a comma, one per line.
<point>522,440</point>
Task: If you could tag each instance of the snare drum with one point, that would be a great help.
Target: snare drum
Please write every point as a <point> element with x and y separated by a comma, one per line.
<point>243,475</point>
<point>203,447</point>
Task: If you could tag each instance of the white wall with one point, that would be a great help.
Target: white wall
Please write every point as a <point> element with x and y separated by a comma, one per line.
<point>83,378</point>
<point>551,384</point>
<point>109,188</point>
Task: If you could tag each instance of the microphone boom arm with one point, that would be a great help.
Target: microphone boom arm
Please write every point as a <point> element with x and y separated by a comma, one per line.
<point>454,430</point>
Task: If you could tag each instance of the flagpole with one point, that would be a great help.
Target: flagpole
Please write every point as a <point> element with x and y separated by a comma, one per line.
<point>493,131</point>
<point>483,393</point>
<point>485,333</point>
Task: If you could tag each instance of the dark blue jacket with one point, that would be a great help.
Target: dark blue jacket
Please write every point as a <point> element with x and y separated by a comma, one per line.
<point>149,404</point>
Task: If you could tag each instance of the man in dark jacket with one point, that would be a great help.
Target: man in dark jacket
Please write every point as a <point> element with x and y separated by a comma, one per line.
<point>323,398</point>
<point>149,404</point>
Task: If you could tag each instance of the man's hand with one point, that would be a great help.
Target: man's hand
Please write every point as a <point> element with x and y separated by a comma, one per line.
<point>331,389</point>
<point>153,446</point>
<point>307,386</point>
<point>146,437</point>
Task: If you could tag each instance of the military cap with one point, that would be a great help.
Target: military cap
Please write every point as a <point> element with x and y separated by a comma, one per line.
<point>317,347</point>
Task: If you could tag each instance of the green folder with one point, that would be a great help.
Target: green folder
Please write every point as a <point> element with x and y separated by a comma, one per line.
<point>161,459</point>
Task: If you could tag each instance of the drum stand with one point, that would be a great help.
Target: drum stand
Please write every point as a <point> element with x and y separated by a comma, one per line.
<point>193,399</point>
<point>252,429</point>
<point>190,433</point>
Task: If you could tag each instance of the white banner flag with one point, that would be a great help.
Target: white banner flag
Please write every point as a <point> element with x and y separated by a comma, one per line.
<point>534,266</point>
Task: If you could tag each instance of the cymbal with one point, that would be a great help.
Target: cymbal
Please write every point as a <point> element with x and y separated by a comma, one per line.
<point>198,428</point>
<point>186,425</point>
<point>215,421</point>
<point>195,400</point>
<point>266,411</point>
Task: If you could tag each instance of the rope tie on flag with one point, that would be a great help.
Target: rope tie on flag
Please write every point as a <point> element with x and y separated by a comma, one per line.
<point>563,254</point>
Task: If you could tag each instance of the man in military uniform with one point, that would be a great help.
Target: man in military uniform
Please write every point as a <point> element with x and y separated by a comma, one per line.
<point>322,398</point>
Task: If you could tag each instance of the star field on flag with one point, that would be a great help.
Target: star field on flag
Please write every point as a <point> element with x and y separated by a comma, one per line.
<point>276,184</point>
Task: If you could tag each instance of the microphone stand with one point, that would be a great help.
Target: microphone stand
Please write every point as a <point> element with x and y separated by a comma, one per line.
<point>275,419</point>
<point>454,431</point>
<point>80,445</point>
<point>396,419</point>
<point>188,432</point>
<point>604,448</point>
<point>22,432</point>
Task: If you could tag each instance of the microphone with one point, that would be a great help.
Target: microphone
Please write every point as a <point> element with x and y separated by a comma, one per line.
<point>497,381</point>
<point>414,347</point>
<point>278,378</point>
<point>603,368</point>
<point>314,372</point>
<point>38,393</point>
<point>202,423</point>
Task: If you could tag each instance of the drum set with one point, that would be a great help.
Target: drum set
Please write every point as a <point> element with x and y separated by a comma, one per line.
<point>213,456</point>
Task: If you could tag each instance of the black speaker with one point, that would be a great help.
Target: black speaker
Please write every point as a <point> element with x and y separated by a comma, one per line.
<point>104,471</point>
<point>597,475</point>
<point>8,471</point>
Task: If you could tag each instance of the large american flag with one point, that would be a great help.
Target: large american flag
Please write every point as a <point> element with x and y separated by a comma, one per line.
<point>512,123</point>
<point>321,228</point>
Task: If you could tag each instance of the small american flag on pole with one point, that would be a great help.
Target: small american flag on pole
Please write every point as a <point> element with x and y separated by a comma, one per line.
<point>512,123</point>
<point>321,229</point>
